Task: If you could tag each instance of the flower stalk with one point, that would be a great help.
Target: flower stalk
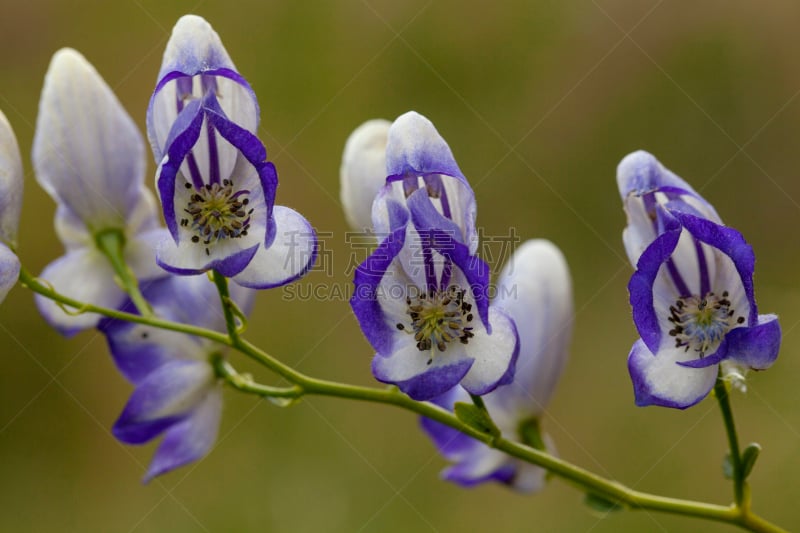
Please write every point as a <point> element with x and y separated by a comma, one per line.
<point>723,398</point>
<point>112,244</point>
<point>306,385</point>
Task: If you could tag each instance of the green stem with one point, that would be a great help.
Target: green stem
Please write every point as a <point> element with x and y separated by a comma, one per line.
<point>589,481</point>
<point>723,398</point>
<point>303,384</point>
<point>245,384</point>
<point>227,305</point>
<point>478,401</point>
<point>112,244</point>
<point>33,283</point>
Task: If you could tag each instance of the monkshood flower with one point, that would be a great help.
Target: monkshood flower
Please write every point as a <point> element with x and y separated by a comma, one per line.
<point>421,297</point>
<point>692,293</point>
<point>216,186</point>
<point>10,206</point>
<point>363,171</point>
<point>535,290</point>
<point>89,156</point>
<point>177,393</point>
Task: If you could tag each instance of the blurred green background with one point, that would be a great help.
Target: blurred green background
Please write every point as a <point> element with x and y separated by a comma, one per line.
<point>539,101</point>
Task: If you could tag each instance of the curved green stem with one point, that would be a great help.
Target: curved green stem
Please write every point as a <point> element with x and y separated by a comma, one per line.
<point>303,384</point>
<point>612,490</point>
<point>33,283</point>
<point>112,244</point>
<point>478,401</point>
<point>246,384</point>
<point>723,398</point>
<point>227,305</point>
<point>589,481</point>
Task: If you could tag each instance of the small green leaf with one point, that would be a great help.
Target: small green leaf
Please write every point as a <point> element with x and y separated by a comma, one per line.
<point>531,434</point>
<point>727,466</point>
<point>601,504</point>
<point>475,417</point>
<point>749,456</point>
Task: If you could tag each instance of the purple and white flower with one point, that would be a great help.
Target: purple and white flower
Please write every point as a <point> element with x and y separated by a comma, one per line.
<point>10,206</point>
<point>692,293</point>
<point>89,156</point>
<point>216,186</point>
<point>177,393</point>
<point>421,297</point>
<point>535,290</point>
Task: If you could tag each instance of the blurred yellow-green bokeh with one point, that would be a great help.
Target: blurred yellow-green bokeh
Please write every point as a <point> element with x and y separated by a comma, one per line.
<point>539,100</point>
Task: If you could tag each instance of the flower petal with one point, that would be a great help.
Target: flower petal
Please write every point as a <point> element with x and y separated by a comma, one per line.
<point>410,369</point>
<point>10,183</point>
<point>419,157</point>
<point>186,258</point>
<point>193,300</point>
<point>414,147</point>
<point>732,244</point>
<point>640,230</point>
<point>534,289</point>
<point>191,438</point>
<point>139,349</point>
<point>85,275</point>
<point>425,216</point>
<point>474,269</point>
<point>640,172</point>
<point>165,396</point>
<point>483,464</point>
<point>71,230</point>
<point>183,135</point>
<point>87,151</point>
<point>253,151</point>
<point>365,300</point>
<point>529,479</point>
<point>659,380</point>
<point>495,354</point>
<point>140,254</point>
<point>145,215</point>
<point>757,346</point>
<point>9,270</point>
<point>641,288</point>
<point>450,442</point>
<point>644,184</point>
<point>363,171</point>
<point>290,256</point>
<point>393,214</point>
<point>195,48</point>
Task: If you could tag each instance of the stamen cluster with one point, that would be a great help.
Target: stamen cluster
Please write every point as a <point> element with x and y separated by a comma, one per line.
<point>701,323</point>
<point>438,318</point>
<point>217,212</point>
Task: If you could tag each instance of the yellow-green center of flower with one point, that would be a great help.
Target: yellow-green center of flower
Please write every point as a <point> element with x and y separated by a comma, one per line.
<point>437,318</point>
<point>702,322</point>
<point>217,211</point>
